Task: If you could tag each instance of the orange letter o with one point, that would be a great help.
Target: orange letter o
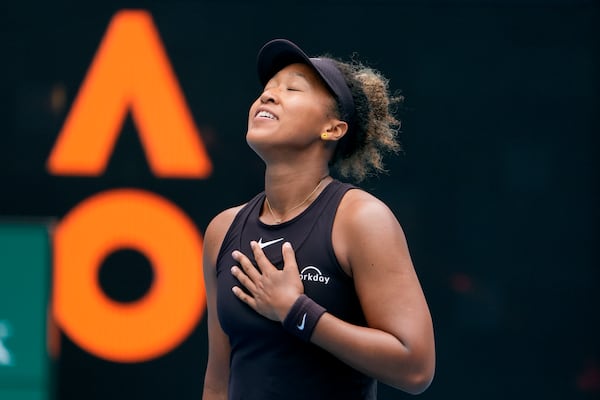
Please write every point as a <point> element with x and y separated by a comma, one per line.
<point>168,312</point>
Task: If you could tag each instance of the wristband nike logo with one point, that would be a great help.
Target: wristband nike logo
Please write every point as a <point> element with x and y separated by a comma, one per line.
<point>300,326</point>
<point>262,244</point>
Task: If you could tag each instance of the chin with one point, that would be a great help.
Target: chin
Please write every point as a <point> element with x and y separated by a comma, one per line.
<point>259,134</point>
<point>253,141</point>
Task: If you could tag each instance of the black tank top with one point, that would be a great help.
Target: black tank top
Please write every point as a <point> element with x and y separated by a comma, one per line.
<point>266,361</point>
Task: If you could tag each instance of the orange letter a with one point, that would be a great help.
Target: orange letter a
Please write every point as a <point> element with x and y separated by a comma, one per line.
<point>130,71</point>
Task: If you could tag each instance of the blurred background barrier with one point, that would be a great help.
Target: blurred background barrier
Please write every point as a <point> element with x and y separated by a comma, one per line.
<point>25,267</point>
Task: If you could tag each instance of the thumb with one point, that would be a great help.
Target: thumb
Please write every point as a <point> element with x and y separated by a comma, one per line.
<point>289,257</point>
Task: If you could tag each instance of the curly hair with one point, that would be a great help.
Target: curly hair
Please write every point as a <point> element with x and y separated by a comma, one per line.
<point>359,154</point>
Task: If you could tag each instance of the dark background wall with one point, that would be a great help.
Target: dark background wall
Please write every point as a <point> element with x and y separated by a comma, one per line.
<point>497,187</point>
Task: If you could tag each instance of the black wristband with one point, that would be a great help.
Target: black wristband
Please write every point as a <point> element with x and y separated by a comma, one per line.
<point>303,317</point>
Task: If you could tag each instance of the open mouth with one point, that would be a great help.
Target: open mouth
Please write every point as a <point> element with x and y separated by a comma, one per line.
<point>265,114</point>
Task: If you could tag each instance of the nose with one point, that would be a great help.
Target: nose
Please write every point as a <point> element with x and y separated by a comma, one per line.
<point>268,96</point>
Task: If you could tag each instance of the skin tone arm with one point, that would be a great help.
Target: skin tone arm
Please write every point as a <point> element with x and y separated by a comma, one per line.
<point>397,347</point>
<point>217,369</point>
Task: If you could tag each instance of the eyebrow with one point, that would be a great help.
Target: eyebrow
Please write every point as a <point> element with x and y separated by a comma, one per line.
<point>308,80</point>
<point>300,74</point>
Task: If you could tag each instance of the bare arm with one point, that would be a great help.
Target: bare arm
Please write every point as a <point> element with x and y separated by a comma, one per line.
<point>397,347</point>
<point>217,370</point>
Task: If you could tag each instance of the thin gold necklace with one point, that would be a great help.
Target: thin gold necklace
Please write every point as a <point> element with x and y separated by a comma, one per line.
<point>282,218</point>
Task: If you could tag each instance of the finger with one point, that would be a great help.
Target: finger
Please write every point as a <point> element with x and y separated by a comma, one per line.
<point>262,261</point>
<point>289,257</point>
<point>243,296</point>
<point>243,279</point>
<point>246,265</point>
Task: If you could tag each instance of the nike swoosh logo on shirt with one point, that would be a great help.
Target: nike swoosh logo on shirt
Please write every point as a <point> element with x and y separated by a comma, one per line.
<point>300,326</point>
<point>262,244</point>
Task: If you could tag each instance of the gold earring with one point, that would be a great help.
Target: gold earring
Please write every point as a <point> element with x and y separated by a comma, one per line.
<point>324,135</point>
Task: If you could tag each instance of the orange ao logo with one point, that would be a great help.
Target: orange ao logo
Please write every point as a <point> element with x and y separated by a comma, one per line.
<point>313,274</point>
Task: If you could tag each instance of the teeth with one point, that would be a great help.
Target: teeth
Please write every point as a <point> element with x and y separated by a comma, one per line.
<point>265,114</point>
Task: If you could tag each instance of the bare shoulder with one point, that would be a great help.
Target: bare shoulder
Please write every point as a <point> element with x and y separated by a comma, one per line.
<point>362,221</point>
<point>216,231</point>
<point>360,209</point>
<point>223,220</point>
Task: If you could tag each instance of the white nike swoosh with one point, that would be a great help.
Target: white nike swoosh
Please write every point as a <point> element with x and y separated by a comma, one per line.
<point>300,326</point>
<point>270,242</point>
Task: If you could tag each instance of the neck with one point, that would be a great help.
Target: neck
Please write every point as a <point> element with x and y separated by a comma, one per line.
<point>288,194</point>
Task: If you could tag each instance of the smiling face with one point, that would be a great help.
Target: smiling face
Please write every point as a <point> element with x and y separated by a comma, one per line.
<point>291,113</point>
